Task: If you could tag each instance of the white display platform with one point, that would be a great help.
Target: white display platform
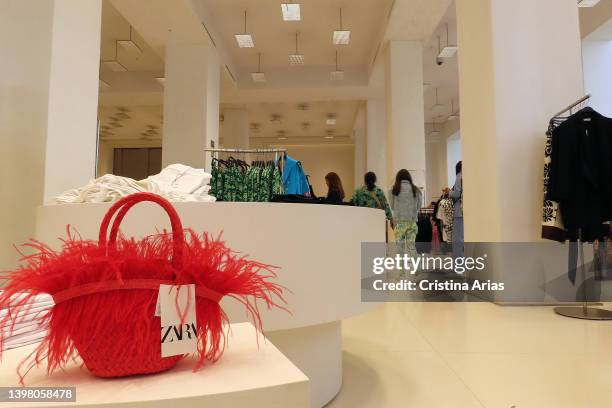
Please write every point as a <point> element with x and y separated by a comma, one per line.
<point>247,375</point>
<point>316,247</point>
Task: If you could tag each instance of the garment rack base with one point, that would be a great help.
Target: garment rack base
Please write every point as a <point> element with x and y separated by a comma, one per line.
<point>582,312</point>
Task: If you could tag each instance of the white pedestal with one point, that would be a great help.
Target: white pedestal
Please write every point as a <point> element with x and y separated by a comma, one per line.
<point>316,247</point>
<point>246,375</point>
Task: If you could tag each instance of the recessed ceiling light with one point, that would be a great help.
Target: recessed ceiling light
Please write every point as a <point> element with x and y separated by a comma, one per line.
<point>296,59</point>
<point>291,11</point>
<point>114,66</point>
<point>330,121</point>
<point>587,3</point>
<point>161,80</point>
<point>283,138</point>
<point>244,40</point>
<point>341,36</point>
<point>328,137</point>
<point>130,45</point>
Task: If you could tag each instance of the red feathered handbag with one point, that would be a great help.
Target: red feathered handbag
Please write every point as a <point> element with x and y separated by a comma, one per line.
<point>105,294</point>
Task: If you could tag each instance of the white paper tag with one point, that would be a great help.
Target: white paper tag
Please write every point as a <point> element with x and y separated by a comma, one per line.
<point>174,302</point>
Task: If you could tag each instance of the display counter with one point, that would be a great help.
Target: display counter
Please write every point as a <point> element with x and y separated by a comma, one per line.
<point>316,247</point>
<point>247,374</point>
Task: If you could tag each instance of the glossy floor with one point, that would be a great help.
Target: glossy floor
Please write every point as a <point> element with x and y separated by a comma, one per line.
<point>455,355</point>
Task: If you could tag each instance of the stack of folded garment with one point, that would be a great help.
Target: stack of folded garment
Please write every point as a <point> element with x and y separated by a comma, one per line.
<point>176,182</point>
<point>25,327</point>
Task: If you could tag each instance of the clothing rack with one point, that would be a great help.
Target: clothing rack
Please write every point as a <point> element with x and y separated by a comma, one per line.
<point>214,151</point>
<point>584,311</point>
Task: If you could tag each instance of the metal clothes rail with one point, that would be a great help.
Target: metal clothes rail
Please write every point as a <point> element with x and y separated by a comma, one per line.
<point>584,311</point>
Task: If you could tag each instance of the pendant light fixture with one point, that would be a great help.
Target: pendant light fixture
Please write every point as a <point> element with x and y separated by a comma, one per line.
<point>291,11</point>
<point>341,36</point>
<point>297,58</point>
<point>114,64</point>
<point>337,75</point>
<point>245,40</point>
<point>454,115</point>
<point>448,51</point>
<point>130,45</point>
<point>437,107</point>
<point>258,76</point>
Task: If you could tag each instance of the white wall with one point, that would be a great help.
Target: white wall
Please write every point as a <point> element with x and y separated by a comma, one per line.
<point>453,156</point>
<point>24,91</point>
<point>597,65</point>
<point>320,160</point>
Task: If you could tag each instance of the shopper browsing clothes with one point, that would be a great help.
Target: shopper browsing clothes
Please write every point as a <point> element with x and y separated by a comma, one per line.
<point>456,194</point>
<point>335,192</point>
<point>405,199</point>
<point>371,196</point>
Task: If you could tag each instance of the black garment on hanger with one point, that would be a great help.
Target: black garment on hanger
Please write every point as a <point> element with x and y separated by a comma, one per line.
<point>581,173</point>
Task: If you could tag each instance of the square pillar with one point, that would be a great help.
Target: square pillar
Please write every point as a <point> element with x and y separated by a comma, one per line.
<point>405,111</point>
<point>519,63</point>
<point>191,104</point>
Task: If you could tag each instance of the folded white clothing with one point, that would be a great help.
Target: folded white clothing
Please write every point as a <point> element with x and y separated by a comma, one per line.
<point>202,190</point>
<point>180,178</point>
<point>26,314</point>
<point>27,343</point>
<point>42,298</point>
<point>103,189</point>
<point>22,339</point>
<point>176,183</point>
<point>35,327</point>
<point>28,324</point>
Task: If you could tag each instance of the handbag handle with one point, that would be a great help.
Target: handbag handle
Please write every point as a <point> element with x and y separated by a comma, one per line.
<point>121,208</point>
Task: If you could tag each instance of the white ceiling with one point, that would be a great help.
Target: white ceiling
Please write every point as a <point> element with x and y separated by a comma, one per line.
<point>127,123</point>
<point>306,120</point>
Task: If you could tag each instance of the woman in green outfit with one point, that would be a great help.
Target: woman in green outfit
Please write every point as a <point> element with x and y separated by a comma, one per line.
<point>371,196</point>
<point>405,199</point>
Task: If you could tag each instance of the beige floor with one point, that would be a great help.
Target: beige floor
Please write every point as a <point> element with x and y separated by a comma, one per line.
<point>456,355</point>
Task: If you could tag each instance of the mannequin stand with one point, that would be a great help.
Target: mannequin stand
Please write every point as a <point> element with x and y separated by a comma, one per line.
<point>584,311</point>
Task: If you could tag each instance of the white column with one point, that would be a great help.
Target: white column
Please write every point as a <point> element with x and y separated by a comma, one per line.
<point>73,95</point>
<point>359,140</point>
<point>376,141</point>
<point>48,102</point>
<point>235,129</point>
<point>405,111</point>
<point>191,103</point>
<point>511,81</point>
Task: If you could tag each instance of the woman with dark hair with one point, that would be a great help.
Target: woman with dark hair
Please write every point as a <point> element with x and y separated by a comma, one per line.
<point>371,196</point>
<point>405,199</point>
<point>335,192</point>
